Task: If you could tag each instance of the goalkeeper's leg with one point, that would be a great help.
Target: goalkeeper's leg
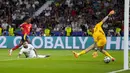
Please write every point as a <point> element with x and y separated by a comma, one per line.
<point>84,51</point>
<point>100,44</point>
<point>107,54</point>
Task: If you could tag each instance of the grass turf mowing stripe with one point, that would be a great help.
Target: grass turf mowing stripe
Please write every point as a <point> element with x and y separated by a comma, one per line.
<point>61,61</point>
<point>18,59</point>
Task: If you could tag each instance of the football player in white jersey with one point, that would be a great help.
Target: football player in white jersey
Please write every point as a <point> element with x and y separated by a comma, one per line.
<point>30,52</point>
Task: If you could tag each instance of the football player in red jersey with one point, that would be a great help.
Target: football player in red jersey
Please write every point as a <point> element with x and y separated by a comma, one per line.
<point>26,28</point>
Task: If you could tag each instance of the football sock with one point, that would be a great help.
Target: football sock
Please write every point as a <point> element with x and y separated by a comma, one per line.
<point>16,47</point>
<point>10,50</point>
<point>82,52</point>
<point>107,54</point>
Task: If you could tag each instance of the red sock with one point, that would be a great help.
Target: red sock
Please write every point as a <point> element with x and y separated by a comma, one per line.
<point>16,47</point>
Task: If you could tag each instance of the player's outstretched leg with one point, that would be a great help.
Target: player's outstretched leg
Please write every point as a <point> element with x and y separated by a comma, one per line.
<point>16,47</point>
<point>11,50</point>
<point>107,54</point>
<point>43,56</point>
<point>75,54</point>
<point>84,51</point>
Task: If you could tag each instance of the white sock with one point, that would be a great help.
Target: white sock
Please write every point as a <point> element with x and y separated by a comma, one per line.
<point>96,49</point>
<point>10,50</point>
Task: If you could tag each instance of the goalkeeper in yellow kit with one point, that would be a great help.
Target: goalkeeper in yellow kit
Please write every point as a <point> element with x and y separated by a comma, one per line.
<point>99,39</point>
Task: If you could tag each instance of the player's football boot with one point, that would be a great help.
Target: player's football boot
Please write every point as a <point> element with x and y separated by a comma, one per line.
<point>47,56</point>
<point>95,54</point>
<point>113,59</point>
<point>75,54</point>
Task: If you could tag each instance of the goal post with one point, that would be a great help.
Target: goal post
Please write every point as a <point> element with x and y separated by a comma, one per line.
<point>126,34</point>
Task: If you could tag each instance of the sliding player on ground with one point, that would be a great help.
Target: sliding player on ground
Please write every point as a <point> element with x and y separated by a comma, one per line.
<point>99,39</point>
<point>30,52</point>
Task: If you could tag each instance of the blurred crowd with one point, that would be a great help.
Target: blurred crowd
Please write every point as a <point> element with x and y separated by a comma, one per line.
<point>62,17</point>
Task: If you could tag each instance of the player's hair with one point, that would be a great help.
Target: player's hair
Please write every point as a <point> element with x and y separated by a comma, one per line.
<point>25,18</point>
<point>91,26</point>
<point>25,42</point>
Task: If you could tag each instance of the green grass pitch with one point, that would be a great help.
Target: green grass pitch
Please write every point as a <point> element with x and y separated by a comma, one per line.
<point>61,61</point>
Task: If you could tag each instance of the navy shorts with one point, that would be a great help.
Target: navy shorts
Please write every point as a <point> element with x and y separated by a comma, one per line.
<point>27,38</point>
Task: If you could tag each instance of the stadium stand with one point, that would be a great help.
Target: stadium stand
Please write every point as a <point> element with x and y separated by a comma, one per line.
<point>76,14</point>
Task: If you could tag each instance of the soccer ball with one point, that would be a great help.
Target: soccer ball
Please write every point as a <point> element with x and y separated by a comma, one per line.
<point>107,59</point>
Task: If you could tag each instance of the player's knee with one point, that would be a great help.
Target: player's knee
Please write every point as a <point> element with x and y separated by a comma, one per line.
<point>21,43</point>
<point>100,50</point>
<point>28,41</point>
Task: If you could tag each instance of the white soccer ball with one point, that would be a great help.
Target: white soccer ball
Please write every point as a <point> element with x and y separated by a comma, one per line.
<point>107,59</point>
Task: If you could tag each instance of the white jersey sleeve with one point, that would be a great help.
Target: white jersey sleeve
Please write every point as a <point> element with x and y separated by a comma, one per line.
<point>21,47</point>
<point>21,51</point>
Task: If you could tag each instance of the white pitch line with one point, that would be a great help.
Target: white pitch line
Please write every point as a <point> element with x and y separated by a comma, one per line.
<point>119,71</point>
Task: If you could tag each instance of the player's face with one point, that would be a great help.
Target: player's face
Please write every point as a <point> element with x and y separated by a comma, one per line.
<point>25,45</point>
<point>92,30</point>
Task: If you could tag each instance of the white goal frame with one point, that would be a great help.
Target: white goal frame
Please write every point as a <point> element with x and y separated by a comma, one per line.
<point>126,38</point>
<point>126,34</point>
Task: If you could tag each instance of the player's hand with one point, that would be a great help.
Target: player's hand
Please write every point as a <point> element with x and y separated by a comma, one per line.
<point>95,54</point>
<point>111,12</point>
